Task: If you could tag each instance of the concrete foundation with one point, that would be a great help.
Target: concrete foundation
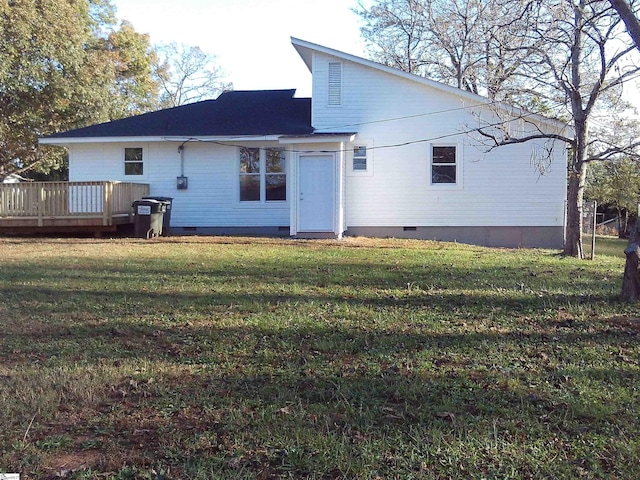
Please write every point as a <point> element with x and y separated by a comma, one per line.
<point>510,237</point>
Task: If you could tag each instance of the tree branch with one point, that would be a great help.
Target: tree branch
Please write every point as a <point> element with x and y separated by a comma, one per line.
<point>629,19</point>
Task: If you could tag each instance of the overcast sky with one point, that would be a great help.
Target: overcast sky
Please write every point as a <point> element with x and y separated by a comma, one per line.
<point>251,38</point>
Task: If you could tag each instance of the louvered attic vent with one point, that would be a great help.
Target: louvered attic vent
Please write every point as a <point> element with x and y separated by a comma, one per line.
<point>335,83</point>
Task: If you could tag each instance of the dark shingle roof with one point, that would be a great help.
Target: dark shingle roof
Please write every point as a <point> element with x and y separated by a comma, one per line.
<point>262,112</point>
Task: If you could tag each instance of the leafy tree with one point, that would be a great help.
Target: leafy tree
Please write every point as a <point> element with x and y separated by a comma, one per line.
<point>186,74</point>
<point>132,57</point>
<point>63,65</point>
<point>617,185</point>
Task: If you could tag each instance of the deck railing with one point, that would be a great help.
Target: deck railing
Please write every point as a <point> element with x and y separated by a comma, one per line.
<point>69,200</point>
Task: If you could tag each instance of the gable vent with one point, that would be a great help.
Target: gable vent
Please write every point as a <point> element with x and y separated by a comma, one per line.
<point>335,83</point>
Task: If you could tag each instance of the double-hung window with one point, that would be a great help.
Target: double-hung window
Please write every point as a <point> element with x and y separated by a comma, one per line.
<point>250,174</point>
<point>444,164</point>
<point>133,163</point>
<point>360,159</point>
<point>263,176</point>
<point>275,175</point>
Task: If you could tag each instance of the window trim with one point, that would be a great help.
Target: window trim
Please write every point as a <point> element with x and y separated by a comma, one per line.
<point>262,175</point>
<point>458,165</point>
<point>242,175</point>
<point>354,157</point>
<point>368,145</point>
<point>126,162</point>
<point>282,173</point>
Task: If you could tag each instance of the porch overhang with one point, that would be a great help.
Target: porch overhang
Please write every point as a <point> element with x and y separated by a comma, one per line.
<point>337,137</point>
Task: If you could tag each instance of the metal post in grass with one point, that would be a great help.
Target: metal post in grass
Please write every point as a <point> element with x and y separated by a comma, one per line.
<point>593,230</point>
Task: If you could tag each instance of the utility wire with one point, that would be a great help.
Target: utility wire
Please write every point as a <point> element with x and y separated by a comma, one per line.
<point>379,147</point>
<point>396,145</point>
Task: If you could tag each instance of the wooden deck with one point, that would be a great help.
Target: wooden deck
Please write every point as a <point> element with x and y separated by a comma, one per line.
<point>63,207</point>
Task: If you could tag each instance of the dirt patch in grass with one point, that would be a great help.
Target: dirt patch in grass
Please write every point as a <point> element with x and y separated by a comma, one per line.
<point>63,465</point>
<point>625,323</point>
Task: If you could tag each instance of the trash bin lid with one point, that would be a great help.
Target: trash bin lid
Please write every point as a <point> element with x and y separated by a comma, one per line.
<point>160,199</point>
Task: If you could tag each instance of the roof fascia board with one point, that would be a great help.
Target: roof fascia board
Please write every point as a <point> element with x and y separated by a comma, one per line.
<point>306,49</point>
<point>74,140</point>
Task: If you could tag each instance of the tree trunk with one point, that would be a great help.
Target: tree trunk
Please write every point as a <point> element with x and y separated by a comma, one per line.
<point>575,195</point>
<point>577,164</point>
<point>631,281</point>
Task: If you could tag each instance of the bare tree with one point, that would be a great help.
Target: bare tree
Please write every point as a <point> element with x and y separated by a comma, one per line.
<point>629,18</point>
<point>187,74</point>
<point>475,45</point>
<point>396,31</point>
<point>565,59</point>
<point>581,69</point>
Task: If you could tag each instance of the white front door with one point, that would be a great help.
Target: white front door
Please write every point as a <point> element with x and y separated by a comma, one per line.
<point>316,205</point>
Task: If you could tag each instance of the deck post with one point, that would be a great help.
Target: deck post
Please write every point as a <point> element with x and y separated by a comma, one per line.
<point>107,203</point>
<point>41,205</point>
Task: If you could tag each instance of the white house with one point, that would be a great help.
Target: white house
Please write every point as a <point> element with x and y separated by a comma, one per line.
<point>375,152</point>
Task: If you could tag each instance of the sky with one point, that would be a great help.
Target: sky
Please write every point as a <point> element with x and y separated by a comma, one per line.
<point>251,38</point>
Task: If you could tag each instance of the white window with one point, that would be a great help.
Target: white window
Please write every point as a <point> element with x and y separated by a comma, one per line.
<point>263,176</point>
<point>360,158</point>
<point>249,174</point>
<point>275,175</point>
<point>444,164</point>
<point>133,163</point>
<point>335,84</point>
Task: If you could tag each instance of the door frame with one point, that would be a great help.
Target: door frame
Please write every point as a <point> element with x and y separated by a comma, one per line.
<point>336,229</point>
<point>333,148</point>
<point>332,193</point>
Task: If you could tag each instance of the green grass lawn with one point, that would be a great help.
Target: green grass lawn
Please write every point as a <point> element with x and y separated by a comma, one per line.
<point>207,358</point>
<point>609,246</point>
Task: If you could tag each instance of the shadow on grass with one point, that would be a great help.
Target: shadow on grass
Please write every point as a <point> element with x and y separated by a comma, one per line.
<point>267,399</point>
<point>300,368</point>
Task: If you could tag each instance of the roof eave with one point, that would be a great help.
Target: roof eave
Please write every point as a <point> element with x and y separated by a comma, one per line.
<point>63,141</point>
<point>319,138</point>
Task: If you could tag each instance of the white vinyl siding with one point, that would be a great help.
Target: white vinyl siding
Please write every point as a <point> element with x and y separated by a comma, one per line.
<point>501,188</point>
<point>212,197</point>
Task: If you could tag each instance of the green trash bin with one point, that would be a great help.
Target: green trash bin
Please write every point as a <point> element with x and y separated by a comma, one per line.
<point>166,220</point>
<point>148,217</point>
